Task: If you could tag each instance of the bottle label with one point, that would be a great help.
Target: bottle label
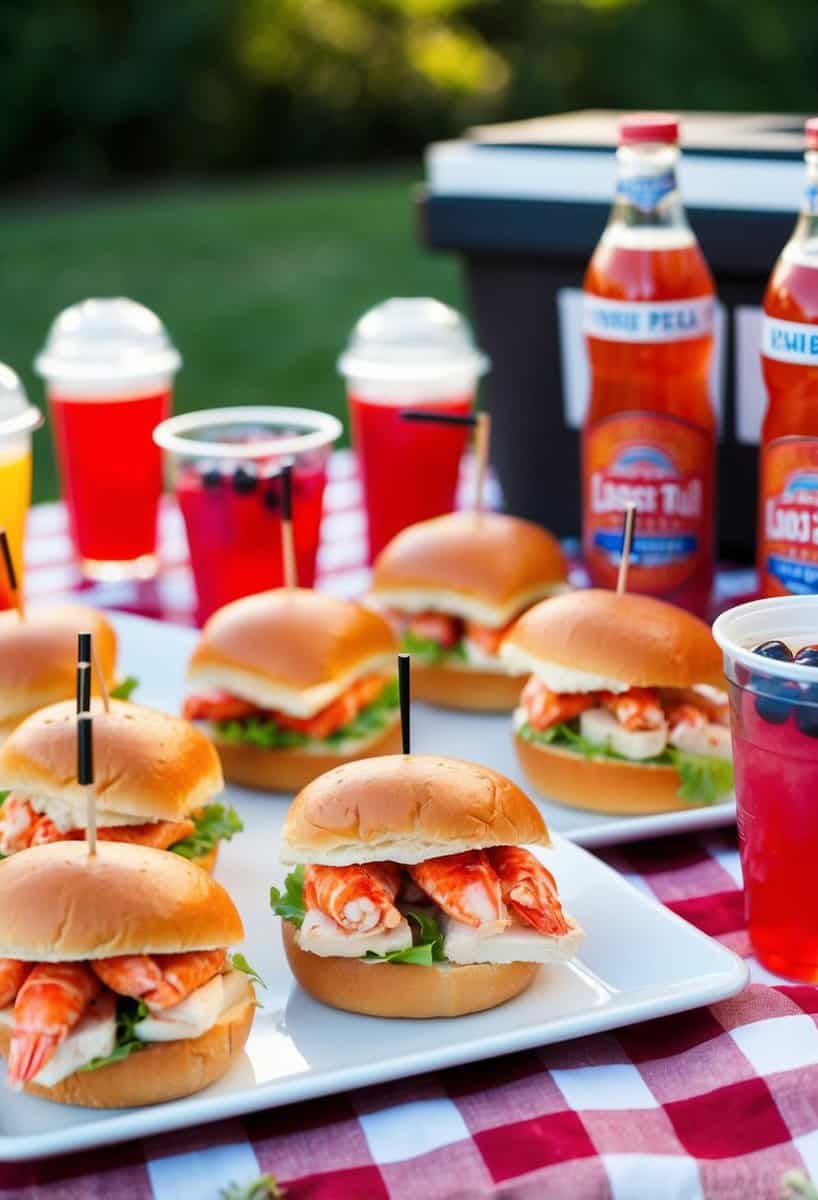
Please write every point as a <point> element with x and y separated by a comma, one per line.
<point>665,466</point>
<point>646,192</point>
<point>649,321</point>
<point>789,341</point>
<point>788,516</point>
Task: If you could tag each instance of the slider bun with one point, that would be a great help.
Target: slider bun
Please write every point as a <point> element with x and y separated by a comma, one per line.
<point>162,1071</point>
<point>147,763</point>
<point>638,640</point>
<point>295,650</point>
<point>483,567</point>
<point>474,690</point>
<point>599,784</point>
<point>60,904</point>
<point>402,989</point>
<point>38,656</point>
<point>289,770</point>
<point>407,807</point>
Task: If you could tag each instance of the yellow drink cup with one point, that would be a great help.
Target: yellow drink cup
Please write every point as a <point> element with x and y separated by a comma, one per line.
<point>18,420</point>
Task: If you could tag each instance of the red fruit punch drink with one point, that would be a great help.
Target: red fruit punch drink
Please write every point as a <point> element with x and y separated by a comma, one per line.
<point>225,468</point>
<point>771,662</point>
<point>649,435</point>
<point>408,354</point>
<point>109,368</point>
<point>788,467</point>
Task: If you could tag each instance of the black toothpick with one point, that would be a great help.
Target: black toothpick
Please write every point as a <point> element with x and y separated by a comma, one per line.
<point>405,694</point>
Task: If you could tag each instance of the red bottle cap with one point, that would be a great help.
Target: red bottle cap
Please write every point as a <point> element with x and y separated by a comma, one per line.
<point>811,133</point>
<point>648,127</point>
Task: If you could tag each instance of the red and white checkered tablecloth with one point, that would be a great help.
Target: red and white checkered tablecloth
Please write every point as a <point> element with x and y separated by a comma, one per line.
<point>716,1104</point>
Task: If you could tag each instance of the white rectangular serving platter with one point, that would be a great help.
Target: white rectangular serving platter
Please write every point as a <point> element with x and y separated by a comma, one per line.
<point>638,961</point>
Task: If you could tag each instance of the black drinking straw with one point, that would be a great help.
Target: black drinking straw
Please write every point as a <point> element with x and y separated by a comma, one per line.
<point>437,418</point>
<point>83,672</point>
<point>287,543</point>
<point>85,749</point>
<point>10,572</point>
<point>404,692</point>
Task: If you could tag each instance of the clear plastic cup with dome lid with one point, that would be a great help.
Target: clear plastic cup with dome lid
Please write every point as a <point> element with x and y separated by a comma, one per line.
<point>109,367</point>
<point>18,420</point>
<point>409,353</point>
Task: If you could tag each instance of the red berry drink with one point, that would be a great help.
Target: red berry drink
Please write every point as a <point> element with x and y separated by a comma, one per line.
<point>226,468</point>
<point>109,368</point>
<point>408,354</point>
<point>771,661</point>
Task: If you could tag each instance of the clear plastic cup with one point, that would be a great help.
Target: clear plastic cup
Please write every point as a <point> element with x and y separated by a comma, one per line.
<point>109,367</point>
<point>408,353</point>
<point>18,420</point>
<point>224,465</point>
<point>774,723</point>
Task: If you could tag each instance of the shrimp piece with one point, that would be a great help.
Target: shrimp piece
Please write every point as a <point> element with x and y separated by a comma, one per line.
<point>45,831</point>
<point>17,821</point>
<point>685,714</point>
<point>437,627</point>
<point>487,637</point>
<point>545,708</point>
<point>48,1006</point>
<point>466,887</point>
<point>158,834</point>
<point>638,708</point>
<point>161,980</point>
<point>529,889</point>
<point>359,899</point>
<point>13,975</point>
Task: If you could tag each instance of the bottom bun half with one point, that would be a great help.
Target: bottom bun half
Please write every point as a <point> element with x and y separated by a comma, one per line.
<point>291,770</point>
<point>476,691</point>
<point>403,990</point>
<point>600,784</point>
<point>162,1071</point>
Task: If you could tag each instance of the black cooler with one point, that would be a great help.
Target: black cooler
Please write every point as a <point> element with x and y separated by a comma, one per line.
<point>524,205</point>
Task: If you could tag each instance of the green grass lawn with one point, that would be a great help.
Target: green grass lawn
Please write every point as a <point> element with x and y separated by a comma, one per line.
<point>258,283</point>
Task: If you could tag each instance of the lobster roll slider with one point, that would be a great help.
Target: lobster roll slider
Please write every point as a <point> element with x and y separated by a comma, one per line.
<point>292,682</point>
<point>412,893</point>
<point>156,782</point>
<point>625,710</point>
<point>116,988</point>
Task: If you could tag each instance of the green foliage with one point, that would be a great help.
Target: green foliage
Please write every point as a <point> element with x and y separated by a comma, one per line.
<point>214,823</point>
<point>239,963</point>
<point>289,904</point>
<point>429,651</point>
<point>128,1014</point>
<point>797,1183</point>
<point>123,690</point>
<point>704,780</point>
<point>263,1188</point>
<point>263,731</point>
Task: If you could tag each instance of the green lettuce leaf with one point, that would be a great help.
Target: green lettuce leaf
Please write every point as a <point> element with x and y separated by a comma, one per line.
<point>428,651</point>
<point>3,796</point>
<point>263,1188</point>
<point>264,732</point>
<point>704,780</point>
<point>289,904</point>
<point>214,823</point>
<point>128,1014</point>
<point>239,963</point>
<point>123,690</point>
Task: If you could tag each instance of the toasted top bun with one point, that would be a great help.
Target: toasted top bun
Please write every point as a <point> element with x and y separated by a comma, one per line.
<point>38,656</point>
<point>58,903</point>
<point>484,567</point>
<point>407,808</point>
<point>147,764</point>
<point>634,640</point>
<point>291,649</point>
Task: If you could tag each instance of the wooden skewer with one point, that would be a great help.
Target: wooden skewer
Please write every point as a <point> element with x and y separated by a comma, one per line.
<point>11,574</point>
<point>482,438</point>
<point>287,539</point>
<point>627,542</point>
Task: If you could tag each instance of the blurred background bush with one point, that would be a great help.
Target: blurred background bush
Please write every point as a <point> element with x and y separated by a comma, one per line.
<point>128,125</point>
